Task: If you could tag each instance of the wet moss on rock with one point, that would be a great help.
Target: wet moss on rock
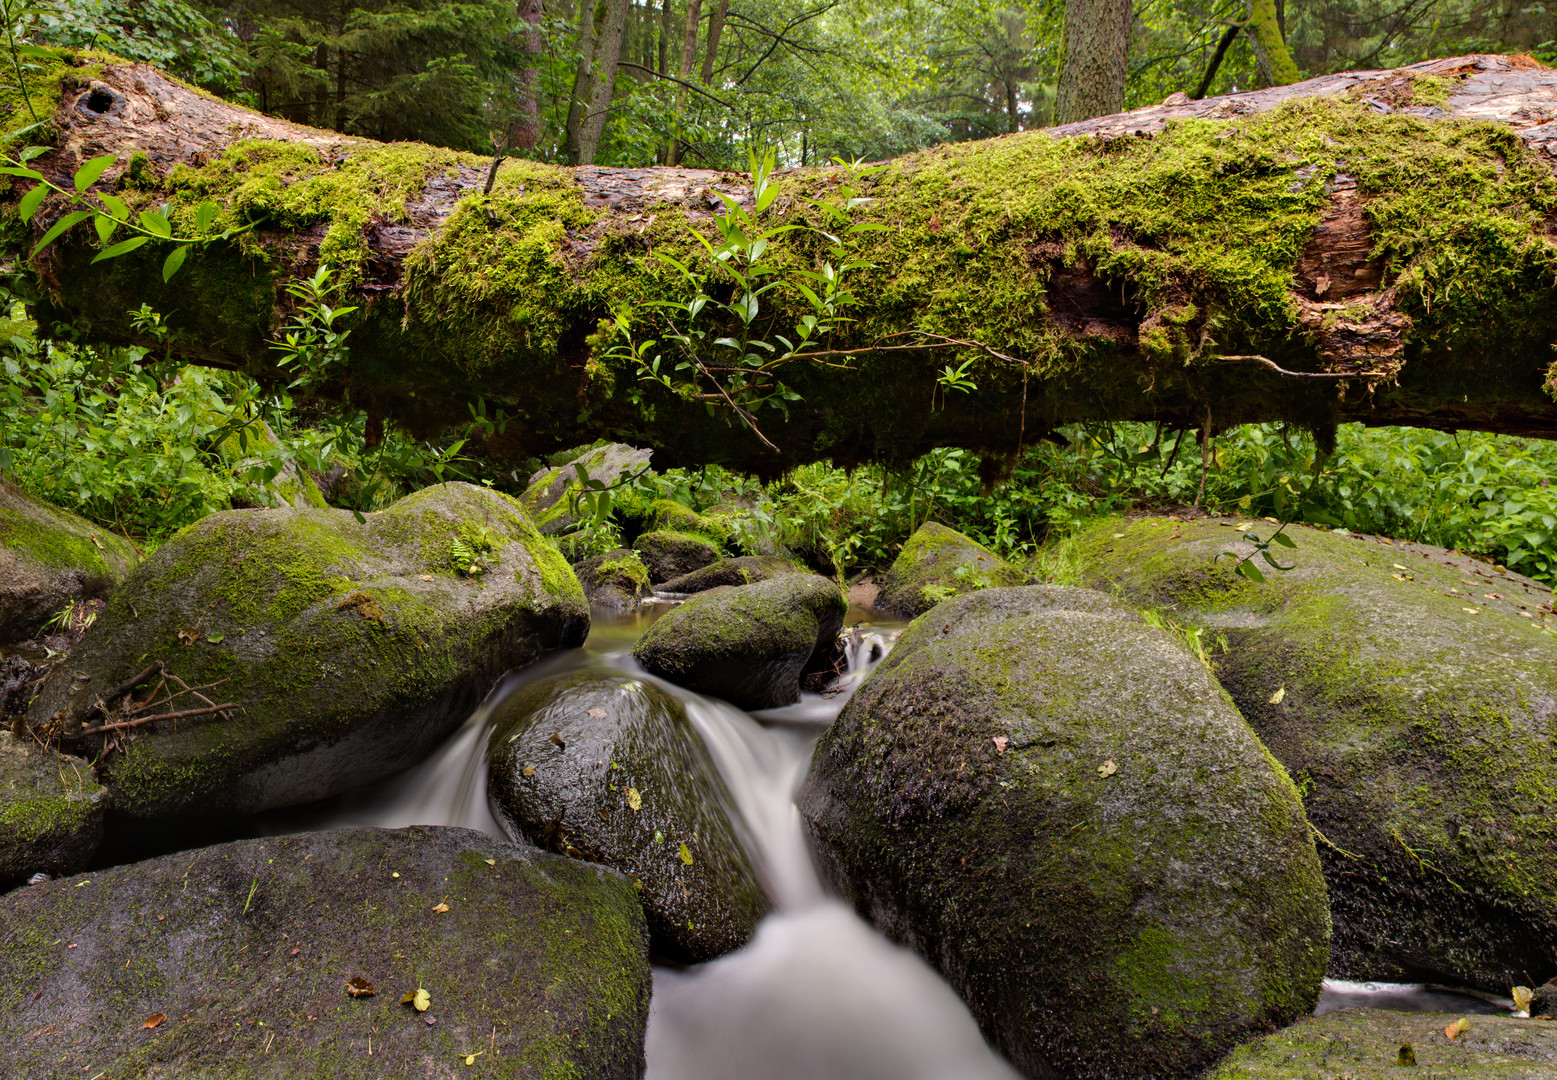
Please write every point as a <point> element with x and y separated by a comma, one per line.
<point>51,811</point>
<point>350,649</point>
<point>669,554</point>
<point>540,962</point>
<point>549,497</point>
<point>744,570</point>
<point>1057,806</point>
<point>616,580</point>
<point>632,788</point>
<point>748,644</point>
<point>937,563</point>
<point>1409,691</point>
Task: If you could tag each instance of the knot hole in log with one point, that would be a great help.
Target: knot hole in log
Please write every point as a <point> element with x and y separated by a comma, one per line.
<point>102,100</point>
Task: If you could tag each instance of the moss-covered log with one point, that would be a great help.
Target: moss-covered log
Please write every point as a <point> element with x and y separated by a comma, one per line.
<point>1374,246</point>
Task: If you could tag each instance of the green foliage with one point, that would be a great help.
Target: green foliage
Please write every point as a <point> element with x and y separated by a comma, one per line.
<point>174,35</point>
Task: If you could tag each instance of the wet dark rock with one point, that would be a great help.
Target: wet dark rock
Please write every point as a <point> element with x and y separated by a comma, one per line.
<point>246,949</point>
<point>1365,1044</point>
<point>671,554</point>
<point>745,570</point>
<point>1055,804</point>
<point>747,644</point>
<point>350,649</point>
<point>616,580</point>
<point>609,769</point>
<point>51,811</point>
<point>936,564</point>
<point>1411,692</point>
<point>50,558</point>
<point>548,497</point>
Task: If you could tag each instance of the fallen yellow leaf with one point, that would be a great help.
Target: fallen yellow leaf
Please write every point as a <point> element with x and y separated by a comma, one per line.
<point>686,853</point>
<point>491,862</point>
<point>1471,610</point>
<point>154,1020</point>
<point>418,999</point>
<point>528,770</point>
<point>440,908</point>
<point>1108,768</point>
<point>598,714</point>
<point>1459,1027</point>
<point>1522,996</point>
<point>1281,692</point>
<point>634,800</point>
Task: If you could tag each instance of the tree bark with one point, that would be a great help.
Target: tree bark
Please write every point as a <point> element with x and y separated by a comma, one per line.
<point>1373,246</point>
<point>523,132</point>
<point>608,51</point>
<point>583,78</point>
<point>684,73</point>
<point>1270,47</point>
<point>715,31</point>
<point>1092,73</point>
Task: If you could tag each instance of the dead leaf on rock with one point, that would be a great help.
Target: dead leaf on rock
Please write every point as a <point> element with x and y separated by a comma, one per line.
<point>1281,692</point>
<point>634,800</point>
<point>1108,768</point>
<point>441,908</point>
<point>557,739</point>
<point>424,577</point>
<point>686,853</point>
<point>1456,1029</point>
<point>1001,742</point>
<point>188,637</point>
<point>155,1020</point>
<point>1522,996</point>
<point>1407,1056</point>
<point>528,770</point>
<point>1471,610</point>
<point>598,714</point>
<point>418,999</point>
<point>358,987</point>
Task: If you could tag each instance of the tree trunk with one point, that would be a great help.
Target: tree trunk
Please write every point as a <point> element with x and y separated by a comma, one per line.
<point>608,51</point>
<point>1270,50</point>
<point>711,49</point>
<point>1092,74</point>
<point>522,133</point>
<point>583,77</point>
<point>664,58</point>
<point>684,73</point>
<point>1379,249</point>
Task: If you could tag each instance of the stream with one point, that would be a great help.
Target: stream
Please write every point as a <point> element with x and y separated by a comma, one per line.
<point>817,993</point>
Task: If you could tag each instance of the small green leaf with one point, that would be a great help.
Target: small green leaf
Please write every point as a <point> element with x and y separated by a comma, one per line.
<point>87,175</point>
<point>686,853</point>
<point>123,247</point>
<point>59,228</point>
<point>1284,540</point>
<point>154,222</point>
<point>204,216</point>
<point>12,170</point>
<point>174,260</point>
<point>216,639</point>
<point>1250,571</point>
<point>31,201</point>
<point>116,207</point>
<point>105,227</point>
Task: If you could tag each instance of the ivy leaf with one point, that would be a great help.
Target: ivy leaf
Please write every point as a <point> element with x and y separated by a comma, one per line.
<point>123,247</point>
<point>31,201</point>
<point>87,175</point>
<point>59,228</point>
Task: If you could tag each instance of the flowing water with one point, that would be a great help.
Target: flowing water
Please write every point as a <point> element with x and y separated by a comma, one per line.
<point>818,994</point>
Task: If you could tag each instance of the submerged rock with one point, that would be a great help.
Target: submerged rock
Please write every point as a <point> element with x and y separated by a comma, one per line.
<point>616,580</point>
<point>1055,805</point>
<point>50,558</point>
<point>1412,695</point>
<point>671,554</point>
<point>51,811</point>
<point>748,644</point>
<point>936,564</point>
<point>1369,1044</point>
<point>745,570</point>
<point>609,769</point>
<point>240,960</point>
<point>548,498</point>
<point>349,650</point>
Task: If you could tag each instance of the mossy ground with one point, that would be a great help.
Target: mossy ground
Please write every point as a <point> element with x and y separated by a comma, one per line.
<point>1409,695</point>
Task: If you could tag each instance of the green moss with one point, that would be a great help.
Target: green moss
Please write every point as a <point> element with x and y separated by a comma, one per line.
<point>628,567</point>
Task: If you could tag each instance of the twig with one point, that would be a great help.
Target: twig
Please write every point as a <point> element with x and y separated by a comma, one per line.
<point>1256,359</point>
<point>131,683</point>
<point>1173,456</point>
<point>1205,458</point>
<point>138,721</point>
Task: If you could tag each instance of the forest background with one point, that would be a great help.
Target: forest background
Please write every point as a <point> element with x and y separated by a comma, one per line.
<point>133,440</point>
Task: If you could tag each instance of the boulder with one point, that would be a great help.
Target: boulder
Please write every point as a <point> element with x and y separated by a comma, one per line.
<point>671,554</point>
<point>1368,1044</point>
<point>748,644</point>
<point>744,570</point>
<point>616,580</point>
<point>936,564</point>
<point>241,960</point>
<point>51,811</point>
<point>1055,805</point>
<point>666,515</point>
<point>291,486</point>
<point>49,559</point>
<point>1412,694</point>
<point>348,649</point>
<point>548,498</point>
<point>609,769</point>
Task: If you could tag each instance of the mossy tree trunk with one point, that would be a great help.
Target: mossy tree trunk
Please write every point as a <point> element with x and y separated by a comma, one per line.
<point>1270,46</point>
<point>1375,246</point>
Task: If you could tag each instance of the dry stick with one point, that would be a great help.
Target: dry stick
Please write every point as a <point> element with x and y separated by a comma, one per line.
<point>161,716</point>
<point>1255,359</point>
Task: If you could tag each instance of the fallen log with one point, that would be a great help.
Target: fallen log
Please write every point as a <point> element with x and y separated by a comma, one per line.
<point>1374,246</point>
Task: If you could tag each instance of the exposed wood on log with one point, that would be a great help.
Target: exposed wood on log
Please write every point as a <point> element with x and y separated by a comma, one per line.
<point>1346,312</point>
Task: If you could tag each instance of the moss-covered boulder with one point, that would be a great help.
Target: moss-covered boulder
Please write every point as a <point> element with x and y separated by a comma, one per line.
<point>1055,804</point>
<point>349,649</point>
<point>937,563</point>
<point>609,769</point>
<point>748,644</point>
<point>51,811</point>
<point>1412,694</point>
<point>616,580</point>
<point>240,961</point>
<point>50,558</point>
<point>671,554</point>
<point>744,570</point>
<point>548,497</point>
<point>1367,1044</point>
<point>666,515</point>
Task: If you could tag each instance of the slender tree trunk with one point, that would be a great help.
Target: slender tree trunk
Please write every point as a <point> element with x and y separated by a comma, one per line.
<point>684,73</point>
<point>608,51</point>
<point>664,65</point>
<point>711,49</point>
<point>522,133</point>
<point>1092,73</point>
<point>1013,114</point>
<point>1270,50</point>
<point>583,77</point>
